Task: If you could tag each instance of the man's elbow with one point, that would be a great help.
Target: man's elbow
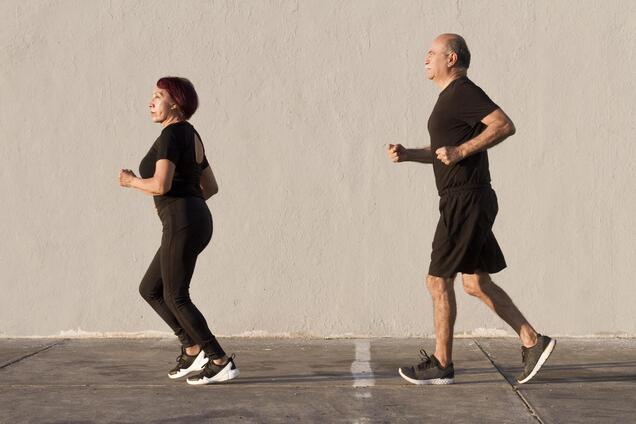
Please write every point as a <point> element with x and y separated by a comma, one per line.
<point>510,128</point>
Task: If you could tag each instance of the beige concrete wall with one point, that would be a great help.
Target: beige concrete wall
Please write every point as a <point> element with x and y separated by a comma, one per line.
<point>316,232</point>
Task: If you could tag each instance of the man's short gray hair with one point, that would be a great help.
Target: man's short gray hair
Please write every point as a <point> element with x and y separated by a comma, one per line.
<point>457,45</point>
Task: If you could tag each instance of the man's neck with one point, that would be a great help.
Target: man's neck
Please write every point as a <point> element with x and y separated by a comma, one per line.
<point>442,83</point>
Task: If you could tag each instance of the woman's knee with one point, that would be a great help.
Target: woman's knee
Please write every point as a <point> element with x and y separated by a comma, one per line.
<point>176,298</point>
<point>146,293</point>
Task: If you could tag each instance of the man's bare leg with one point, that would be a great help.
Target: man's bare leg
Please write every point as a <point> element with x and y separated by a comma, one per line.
<point>444,312</point>
<point>481,286</point>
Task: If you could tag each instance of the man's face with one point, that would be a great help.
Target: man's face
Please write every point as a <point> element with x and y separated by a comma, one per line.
<point>436,61</point>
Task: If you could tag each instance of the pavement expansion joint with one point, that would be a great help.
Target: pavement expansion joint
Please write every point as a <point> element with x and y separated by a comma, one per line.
<point>87,386</point>
<point>515,389</point>
<point>23,357</point>
<point>356,390</point>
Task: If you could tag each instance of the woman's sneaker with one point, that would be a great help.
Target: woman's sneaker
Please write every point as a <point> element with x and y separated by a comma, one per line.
<point>213,373</point>
<point>187,364</point>
<point>429,371</point>
<point>534,357</point>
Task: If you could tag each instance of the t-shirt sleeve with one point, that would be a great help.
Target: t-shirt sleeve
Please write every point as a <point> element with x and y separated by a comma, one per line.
<point>204,163</point>
<point>475,106</point>
<point>168,147</point>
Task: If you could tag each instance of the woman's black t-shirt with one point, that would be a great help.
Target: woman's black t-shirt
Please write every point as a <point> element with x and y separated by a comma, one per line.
<point>176,143</point>
<point>456,118</point>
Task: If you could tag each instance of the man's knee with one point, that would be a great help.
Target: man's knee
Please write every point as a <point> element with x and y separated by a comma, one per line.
<point>438,285</point>
<point>475,284</point>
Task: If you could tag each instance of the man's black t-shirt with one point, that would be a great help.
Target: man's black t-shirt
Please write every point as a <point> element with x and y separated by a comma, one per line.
<point>176,143</point>
<point>456,118</point>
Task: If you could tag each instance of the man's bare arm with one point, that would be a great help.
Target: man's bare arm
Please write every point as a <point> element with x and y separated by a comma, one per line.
<point>398,153</point>
<point>498,128</point>
<point>421,155</point>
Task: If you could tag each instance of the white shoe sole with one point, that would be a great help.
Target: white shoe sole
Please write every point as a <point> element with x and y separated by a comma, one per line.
<point>226,374</point>
<point>544,357</point>
<point>197,366</point>
<point>424,382</point>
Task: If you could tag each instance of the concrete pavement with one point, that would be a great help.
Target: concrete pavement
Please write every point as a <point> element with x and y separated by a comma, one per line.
<point>311,380</point>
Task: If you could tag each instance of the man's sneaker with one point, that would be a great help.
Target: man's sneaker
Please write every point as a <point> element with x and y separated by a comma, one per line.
<point>187,364</point>
<point>534,357</point>
<point>429,371</point>
<point>213,373</point>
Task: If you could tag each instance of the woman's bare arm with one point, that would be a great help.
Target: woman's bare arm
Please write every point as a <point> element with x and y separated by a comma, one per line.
<point>160,183</point>
<point>208,183</point>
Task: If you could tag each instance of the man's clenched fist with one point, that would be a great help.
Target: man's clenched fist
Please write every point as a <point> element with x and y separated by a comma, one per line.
<point>449,155</point>
<point>396,152</point>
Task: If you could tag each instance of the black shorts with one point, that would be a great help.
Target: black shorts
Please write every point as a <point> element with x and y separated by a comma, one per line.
<point>463,240</point>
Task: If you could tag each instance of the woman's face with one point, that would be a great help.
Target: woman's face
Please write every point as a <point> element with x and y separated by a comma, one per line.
<point>161,105</point>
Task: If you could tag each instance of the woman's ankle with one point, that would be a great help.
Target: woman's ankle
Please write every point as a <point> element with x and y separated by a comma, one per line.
<point>221,361</point>
<point>193,350</point>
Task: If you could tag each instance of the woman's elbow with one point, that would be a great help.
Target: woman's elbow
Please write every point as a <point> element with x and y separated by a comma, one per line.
<point>163,188</point>
<point>209,191</point>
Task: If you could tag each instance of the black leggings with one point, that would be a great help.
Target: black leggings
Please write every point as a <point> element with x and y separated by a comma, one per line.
<point>187,230</point>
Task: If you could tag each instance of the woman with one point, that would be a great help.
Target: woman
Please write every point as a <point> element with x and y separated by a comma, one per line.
<point>176,172</point>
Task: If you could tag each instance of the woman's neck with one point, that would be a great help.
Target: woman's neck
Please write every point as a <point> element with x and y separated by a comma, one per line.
<point>172,120</point>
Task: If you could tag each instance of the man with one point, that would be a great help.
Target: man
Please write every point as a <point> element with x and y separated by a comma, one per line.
<point>463,125</point>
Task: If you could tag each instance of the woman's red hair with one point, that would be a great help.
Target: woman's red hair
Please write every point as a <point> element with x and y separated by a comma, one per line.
<point>182,92</point>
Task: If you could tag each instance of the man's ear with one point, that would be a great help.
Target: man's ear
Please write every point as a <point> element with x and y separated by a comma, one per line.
<point>452,59</point>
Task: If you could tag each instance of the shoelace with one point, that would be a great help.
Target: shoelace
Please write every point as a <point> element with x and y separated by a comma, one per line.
<point>211,368</point>
<point>211,363</point>
<point>181,360</point>
<point>426,360</point>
